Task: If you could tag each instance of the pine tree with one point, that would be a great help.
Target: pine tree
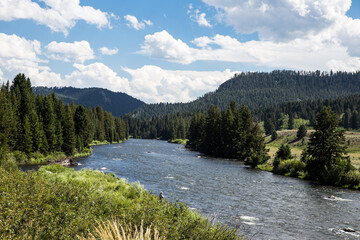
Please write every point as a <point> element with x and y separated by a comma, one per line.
<point>325,157</point>
<point>211,140</point>
<point>301,133</point>
<point>291,121</point>
<point>68,132</point>
<point>283,153</point>
<point>254,150</point>
<point>82,127</point>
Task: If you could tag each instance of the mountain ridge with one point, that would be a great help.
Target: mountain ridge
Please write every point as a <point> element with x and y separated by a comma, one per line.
<point>117,103</point>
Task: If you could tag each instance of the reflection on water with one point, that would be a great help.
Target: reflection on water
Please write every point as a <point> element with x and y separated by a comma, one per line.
<point>261,205</point>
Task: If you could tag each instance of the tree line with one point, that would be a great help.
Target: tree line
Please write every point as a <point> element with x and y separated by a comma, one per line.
<point>230,134</point>
<point>276,117</point>
<point>32,123</point>
<point>171,126</point>
<point>261,89</point>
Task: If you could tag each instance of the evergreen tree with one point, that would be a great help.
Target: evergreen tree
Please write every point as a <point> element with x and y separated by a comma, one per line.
<point>253,150</point>
<point>291,121</point>
<point>283,153</point>
<point>274,136</point>
<point>211,140</point>
<point>68,132</point>
<point>325,157</point>
<point>26,138</point>
<point>269,126</point>
<point>82,127</point>
<point>301,133</point>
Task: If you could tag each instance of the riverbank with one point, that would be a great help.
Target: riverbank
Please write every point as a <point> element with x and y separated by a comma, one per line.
<point>352,139</point>
<point>36,158</point>
<point>294,167</point>
<point>62,202</point>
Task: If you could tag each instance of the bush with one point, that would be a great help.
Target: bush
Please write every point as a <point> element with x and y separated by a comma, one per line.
<point>293,168</point>
<point>9,164</point>
<point>352,178</point>
<point>20,157</point>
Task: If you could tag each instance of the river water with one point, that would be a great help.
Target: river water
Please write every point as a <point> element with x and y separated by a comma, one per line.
<point>259,204</point>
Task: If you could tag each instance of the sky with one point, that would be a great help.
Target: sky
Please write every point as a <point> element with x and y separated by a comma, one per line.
<point>172,50</point>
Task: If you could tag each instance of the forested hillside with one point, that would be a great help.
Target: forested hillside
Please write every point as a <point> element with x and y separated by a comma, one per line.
<point>117,103</point>
<point>258,90</point>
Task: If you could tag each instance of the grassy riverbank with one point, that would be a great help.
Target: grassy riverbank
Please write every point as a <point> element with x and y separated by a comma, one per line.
<point>37,158</point>
<point>352,139</point>
<point>178,141</point>
<point>62,203</point>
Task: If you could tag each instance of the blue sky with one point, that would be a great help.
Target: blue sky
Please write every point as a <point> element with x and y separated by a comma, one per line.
<point>172,51</point>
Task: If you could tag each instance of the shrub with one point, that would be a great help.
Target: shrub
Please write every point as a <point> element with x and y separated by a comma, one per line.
<point>20,157</point>
<point>9,164</point>
<point>293,168</point>
<point>352,178</point>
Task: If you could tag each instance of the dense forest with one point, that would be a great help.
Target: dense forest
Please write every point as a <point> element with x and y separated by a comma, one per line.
<point>230,134</point>
<point>174,126</point>
<point>40,125</point>
<point>346,107</point>
<point>117,103</point>
<point>257,90</point>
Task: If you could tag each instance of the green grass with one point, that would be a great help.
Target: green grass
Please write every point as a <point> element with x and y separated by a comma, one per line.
<point>352,139</point>
<point>179,141</point>
<point>61,203</point>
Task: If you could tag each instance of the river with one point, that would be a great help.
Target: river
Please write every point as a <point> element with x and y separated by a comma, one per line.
<point>260,204</point>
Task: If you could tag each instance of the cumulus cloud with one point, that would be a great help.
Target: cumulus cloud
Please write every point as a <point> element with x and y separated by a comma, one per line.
<point>154,84</point>
<point>78,51</point>
<point>107,51</point>
<point>97,75</point>
<point>21,55</point>
<point>162,45</point>
<point>132,22</point>
<point>288,21</point>
<point>280,19</point>
<point>58,15</point>
<point>310,53</point>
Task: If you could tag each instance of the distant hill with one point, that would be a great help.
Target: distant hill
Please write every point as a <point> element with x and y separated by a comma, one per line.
<point>115,102</point>
<point>258,90</point>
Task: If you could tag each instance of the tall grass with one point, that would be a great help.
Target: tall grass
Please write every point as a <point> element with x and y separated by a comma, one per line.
<point>61,203</point>
<point>113,230</point>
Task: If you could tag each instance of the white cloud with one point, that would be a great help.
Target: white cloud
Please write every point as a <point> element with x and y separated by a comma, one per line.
<point>58,15</point>
<point>21,55</point>
<point>290,21</point>
<point>135,24</point>
<point>78,51</point>
<point>149,83</point>
<point>148,22</point>
<point>311,53</point>
<point>198,17</point>
<point>154,84</point>
<point>280,19</point>
<point>107,51</point>
<point>163,46</point>
<point>97,75</point>
<point>201,20</point>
